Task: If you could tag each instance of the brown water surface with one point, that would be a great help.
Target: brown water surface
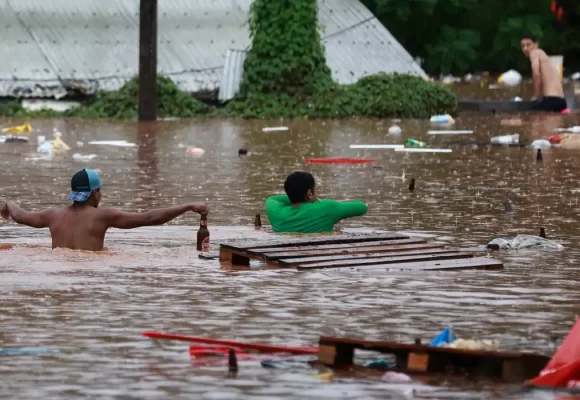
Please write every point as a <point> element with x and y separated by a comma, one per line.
<point>94,306</point>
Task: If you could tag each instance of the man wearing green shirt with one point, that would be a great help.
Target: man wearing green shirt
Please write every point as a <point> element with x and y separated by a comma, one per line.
<point>301,211</point>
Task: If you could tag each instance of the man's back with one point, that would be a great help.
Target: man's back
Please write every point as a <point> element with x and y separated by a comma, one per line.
<point>78,228</point>
<point>315,217</point>
<point>551,85</point>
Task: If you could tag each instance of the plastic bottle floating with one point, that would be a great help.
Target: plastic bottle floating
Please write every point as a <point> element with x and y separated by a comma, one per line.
<point>395,130</point>
<point>510,78</point>
<point>26,128</point>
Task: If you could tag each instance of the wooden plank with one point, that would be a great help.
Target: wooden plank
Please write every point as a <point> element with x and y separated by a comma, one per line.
<point>361,262</point>
<point>336,246</point>
<point>511,366</point>
<point>418,362</point>
<point>313,239</point>
<point>395,347</point>
<point>306,260</point>
<point>469,263</point>
<point>352,250</point>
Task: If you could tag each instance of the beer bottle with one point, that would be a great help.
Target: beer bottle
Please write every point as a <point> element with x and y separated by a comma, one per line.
<point>203,235</point>
<point>258,221</point>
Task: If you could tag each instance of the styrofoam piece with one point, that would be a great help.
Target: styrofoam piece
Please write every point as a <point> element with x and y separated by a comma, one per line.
<point>376,146</point>
<point>275,128</point>
<point>423,150</point>
<point>118,143</point>
<point>573,129</point>
<point>458,132</point>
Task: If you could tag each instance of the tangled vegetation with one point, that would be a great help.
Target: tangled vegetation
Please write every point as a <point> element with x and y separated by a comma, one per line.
<point>285,74</point>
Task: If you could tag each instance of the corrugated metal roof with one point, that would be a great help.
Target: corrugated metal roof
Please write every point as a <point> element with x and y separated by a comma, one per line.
<point>232,75</point>
<point>51,45</point>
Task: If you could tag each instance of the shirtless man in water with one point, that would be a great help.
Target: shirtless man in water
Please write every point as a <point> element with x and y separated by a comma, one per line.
<point>82,225</point>
<point>548,89</point>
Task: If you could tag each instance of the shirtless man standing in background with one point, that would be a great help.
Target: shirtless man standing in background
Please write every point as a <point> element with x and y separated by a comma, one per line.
<point>548,89</point>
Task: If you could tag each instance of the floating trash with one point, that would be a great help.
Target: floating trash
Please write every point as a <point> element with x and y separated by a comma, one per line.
<point>376,146</point>
<point>444,118</point>
<point>395,377</point>
<point>510,78</point>
<point>459,132</point>
<point>473,344</point>
<point>83,157</point>
<point>506,139</point>
<point>395,130</point>
<point>417,150</point>
<point>414,143</point>
<point>526,242</point>
<point>541,144</point>
<point>275,129</point>
<point>117,143</point>
<point>195,151</point>
<point>26,128</point>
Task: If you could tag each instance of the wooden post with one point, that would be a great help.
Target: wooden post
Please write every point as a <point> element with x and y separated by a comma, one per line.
<point>148,60</point>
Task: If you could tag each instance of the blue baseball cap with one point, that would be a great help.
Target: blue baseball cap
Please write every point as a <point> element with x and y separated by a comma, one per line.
<point>83,184</point>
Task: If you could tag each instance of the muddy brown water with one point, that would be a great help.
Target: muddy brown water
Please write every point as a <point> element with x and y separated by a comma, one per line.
<point>94,307</point>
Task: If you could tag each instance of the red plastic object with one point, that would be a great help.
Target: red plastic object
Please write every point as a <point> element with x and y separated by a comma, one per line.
<point>566,111</point>
<point>563,370</point>
<point>556,138</point>
<point>339,160</point>
<point>264,348</point>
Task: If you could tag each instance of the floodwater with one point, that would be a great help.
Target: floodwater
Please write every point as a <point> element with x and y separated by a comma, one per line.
<point>94,306</point>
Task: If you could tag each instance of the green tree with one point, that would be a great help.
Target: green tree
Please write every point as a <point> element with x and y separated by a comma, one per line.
<point>457,36</point>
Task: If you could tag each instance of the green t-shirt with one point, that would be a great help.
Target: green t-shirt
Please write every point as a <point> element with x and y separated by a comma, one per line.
<point>319,216</point>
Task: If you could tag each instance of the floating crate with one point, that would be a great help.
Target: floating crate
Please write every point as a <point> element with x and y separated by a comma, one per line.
<point>415,358</point>
<point>391,251</point>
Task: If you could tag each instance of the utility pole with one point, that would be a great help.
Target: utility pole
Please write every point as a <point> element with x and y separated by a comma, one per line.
<point>148,60</point>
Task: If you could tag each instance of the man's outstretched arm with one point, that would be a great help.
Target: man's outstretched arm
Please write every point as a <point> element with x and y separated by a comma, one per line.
<point>39,219</point>
<point>125,220</point>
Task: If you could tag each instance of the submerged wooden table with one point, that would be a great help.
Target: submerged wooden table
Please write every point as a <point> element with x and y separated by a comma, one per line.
<point>386,251</point>
<point>509,366</point>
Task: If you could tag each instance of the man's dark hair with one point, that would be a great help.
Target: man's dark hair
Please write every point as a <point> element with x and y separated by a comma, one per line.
<point>531,37</point>
<point>297,185</point>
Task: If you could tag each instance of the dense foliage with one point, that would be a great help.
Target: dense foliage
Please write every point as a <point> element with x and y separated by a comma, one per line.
<point>460,36</point>
<point>123,104</point>
<point>285,74</point>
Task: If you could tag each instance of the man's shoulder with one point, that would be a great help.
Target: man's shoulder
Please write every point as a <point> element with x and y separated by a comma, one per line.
<point>538,53</point>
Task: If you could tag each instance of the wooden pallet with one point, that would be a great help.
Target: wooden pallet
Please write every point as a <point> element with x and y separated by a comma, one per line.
<point>390,251</point>
<point>413,358</point>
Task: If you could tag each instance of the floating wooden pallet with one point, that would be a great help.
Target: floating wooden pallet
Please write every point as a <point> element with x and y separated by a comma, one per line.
<point>391,251</point>
<point>413,358</point>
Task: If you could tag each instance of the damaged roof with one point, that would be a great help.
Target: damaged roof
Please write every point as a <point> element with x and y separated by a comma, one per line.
<point>50,47</point>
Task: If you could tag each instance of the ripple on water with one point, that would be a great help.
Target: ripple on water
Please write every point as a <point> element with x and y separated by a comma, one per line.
<point>95,306</point>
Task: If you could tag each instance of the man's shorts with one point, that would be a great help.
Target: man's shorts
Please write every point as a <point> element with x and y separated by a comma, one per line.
<point>551,104</point>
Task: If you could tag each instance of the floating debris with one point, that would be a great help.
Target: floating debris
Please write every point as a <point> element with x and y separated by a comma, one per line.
<point>196,151</point>
<point>26,128</point>
<point>83,157</point>
<point>376,146</point>
<point>275,129</point>
<point>117,143</point>
<point>450,132</point>
<point>395,130</point>
<point>415,150</point>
